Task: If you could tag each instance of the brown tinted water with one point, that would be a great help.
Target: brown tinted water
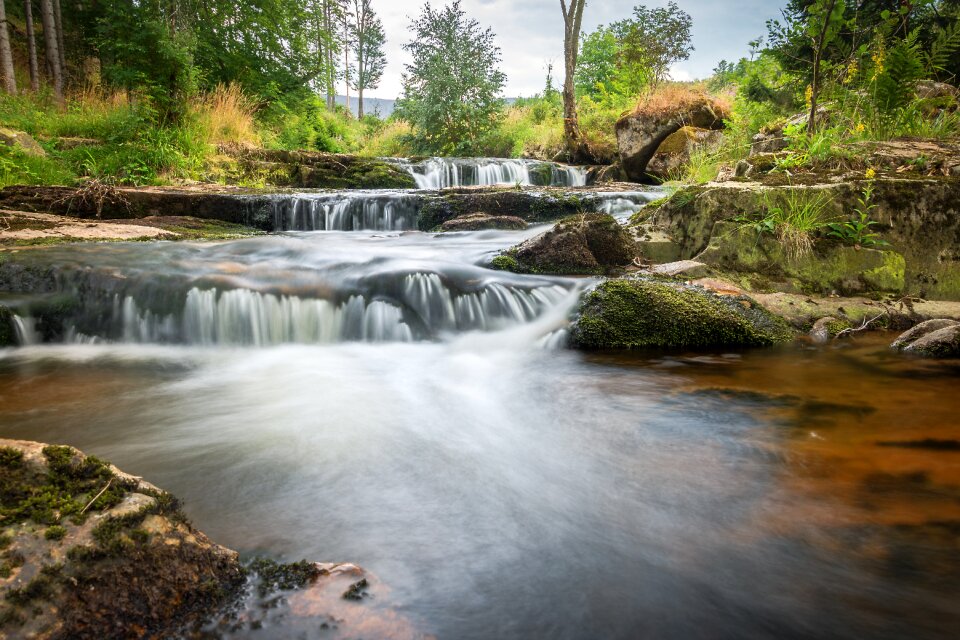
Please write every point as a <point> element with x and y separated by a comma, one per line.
<point>505,491</point>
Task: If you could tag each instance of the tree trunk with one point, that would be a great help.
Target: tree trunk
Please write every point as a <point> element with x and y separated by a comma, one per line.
<point>573,19</point>
<point>58,22</point>
<point>31,46</point>
<point>6,54</point>
<point>346,59</point>
<point>360,103</point>
<point>52,51</point>
<point>818,46</point>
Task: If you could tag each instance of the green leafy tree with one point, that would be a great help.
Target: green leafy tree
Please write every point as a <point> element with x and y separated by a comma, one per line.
<point>368,42</point>
<point>451,89</point>
<point>654,39</point>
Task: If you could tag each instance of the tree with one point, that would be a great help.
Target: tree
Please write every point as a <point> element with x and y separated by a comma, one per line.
<point>6,54</point>
<point>654,39</point>
<point>572,21</point>
<point>597,66</point>
<point>368,41</point>
<point>54,69</point>
<point>826,19</point>
<point>451,89</point>
<point>31,46</point>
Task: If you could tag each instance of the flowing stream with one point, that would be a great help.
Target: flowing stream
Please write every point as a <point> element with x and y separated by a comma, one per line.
<point>379,397</point>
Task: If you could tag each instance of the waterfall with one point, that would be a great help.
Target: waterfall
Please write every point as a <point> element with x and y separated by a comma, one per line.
<point>420,307</point>
<point>348,211</point>
<point>25,328</point>
<point>443,173</point>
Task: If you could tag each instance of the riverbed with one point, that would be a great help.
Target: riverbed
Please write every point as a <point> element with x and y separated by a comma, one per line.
<point>383,398</point>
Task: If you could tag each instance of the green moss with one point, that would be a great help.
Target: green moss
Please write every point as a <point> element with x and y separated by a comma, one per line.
<point>11,458</point>
<point>506,262</point>
<point>633,314</point>
<point>274,576</point>
<point>56,532</point>
<point>40,588</point>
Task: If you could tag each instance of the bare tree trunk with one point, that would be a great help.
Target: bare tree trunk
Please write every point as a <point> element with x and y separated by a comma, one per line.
<point>360,103</point>
<point>819,46</point>
<point>52,51</point>
<point>572,19</point>
<point>58,21</point>
<point>6,54</point>
<point>346,58</point>
<point>329,77</point>
<point>31,46</point>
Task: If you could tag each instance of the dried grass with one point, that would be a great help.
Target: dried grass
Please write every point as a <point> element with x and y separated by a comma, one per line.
<point>226,115</point>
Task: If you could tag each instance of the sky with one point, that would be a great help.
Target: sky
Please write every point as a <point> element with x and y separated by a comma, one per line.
<point>530,34</point>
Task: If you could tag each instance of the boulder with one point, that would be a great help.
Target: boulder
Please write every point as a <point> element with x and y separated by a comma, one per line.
<point>607,174</point>
<point>479,221</point>
<point>935,339</point>
<point>89,550</point>
<point>586,244</point>
<point>635,313</point>
<point>641,132</point>
<point>932,90</point>
<point>21,141</point>
<point>673,156</point>
<point>826,329</point>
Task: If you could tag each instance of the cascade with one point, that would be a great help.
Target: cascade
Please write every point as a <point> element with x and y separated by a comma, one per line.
<point>443,173</point>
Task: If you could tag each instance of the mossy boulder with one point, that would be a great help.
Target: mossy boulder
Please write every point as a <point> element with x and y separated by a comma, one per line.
<point>8,333</point>
<point>544,205</point>
<point>21,141</point>
<point>586,244</point>
<point>643,313</point>
<point>830,267</point>
<point>91,552</point>
<point>676,151</point>
<point>309,169</point>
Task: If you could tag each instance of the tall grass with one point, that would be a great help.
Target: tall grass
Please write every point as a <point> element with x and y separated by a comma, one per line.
<point>225,115</point>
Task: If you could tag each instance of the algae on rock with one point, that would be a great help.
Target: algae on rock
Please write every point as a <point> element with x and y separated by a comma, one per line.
<point>642,313</point>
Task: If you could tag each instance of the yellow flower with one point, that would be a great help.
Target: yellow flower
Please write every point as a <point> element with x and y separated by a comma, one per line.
<point>809,95</point>
<point>871,174</point>
<point>860,127</point>
<point>852,71</point>
<point>879,57</point>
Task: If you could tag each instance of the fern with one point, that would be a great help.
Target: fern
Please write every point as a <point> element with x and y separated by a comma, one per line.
<point>946,44</point>
<point>904,65</point>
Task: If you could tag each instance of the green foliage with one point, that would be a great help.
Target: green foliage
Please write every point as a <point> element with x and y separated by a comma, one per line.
<point>451,89</point>
<point>274,576</point>
<point>794,216</point>
<point>857,231</point>
<point>56,532</point>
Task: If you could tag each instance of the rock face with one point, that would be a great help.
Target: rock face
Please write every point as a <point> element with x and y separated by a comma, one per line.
<point>309,170</point>
<point>639,313</point>
<point>918,217</point>
<point>90,552</point>
<point>674,154</point>
<point>830,267</point>
<point>8,335</point>
<point>479,221</point>
<point>587,244</point>
<point>933,339</point>
<point>640,133</point>
<point>21,141</point>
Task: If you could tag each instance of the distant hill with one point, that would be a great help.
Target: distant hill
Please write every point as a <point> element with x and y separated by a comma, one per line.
<point>381,106</point>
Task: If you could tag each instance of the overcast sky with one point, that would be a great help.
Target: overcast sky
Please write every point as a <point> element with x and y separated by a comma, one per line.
<point>530,33</point>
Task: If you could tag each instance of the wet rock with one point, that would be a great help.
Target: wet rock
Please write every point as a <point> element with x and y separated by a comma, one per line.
<point>8,333</point>
<point>579,245</point>
<point>826,329</point>
<point>673,156</point>
<point>479,221</point>
<point>310,169</point>
<point>935,338</point>
<point>21,141</point>
<point>640,133</point>
<point>91,552</point>
<point>638,313</point>
<point>610,173</point>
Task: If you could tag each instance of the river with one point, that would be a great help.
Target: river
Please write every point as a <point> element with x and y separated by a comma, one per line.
<point>379,397</point>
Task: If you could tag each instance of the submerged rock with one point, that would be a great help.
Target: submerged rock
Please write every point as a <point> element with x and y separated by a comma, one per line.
<point>935,338</point>
<point>641,132</point>
<point>480,221</point>
<point>640,313</point>
<point>585,244</point>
